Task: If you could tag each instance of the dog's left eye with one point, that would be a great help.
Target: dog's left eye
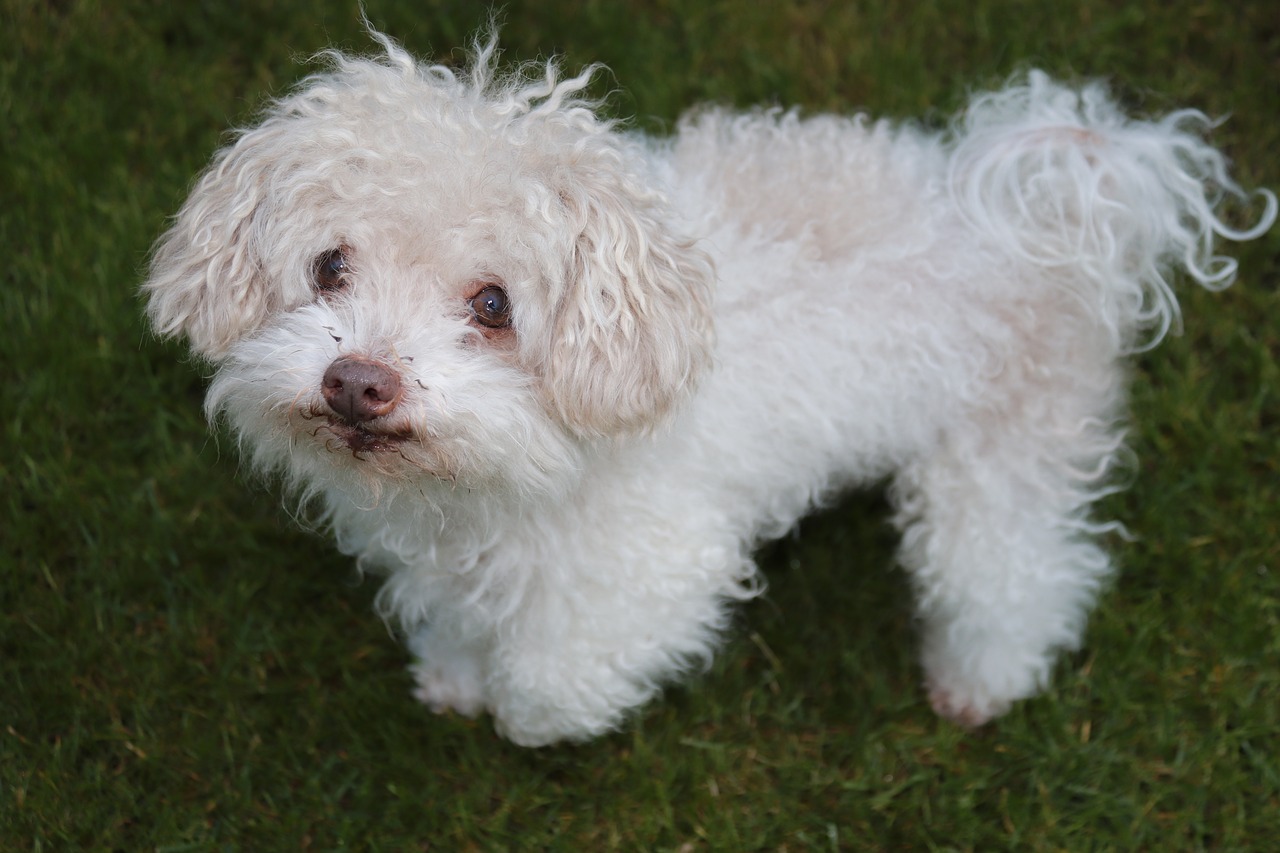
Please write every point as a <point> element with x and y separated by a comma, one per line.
<point>491,308</point>
<point>330,271</point>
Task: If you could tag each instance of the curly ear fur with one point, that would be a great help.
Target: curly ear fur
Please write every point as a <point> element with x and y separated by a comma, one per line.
<point>631,319</point>
<point>205,279</point>
<point>633,331</point>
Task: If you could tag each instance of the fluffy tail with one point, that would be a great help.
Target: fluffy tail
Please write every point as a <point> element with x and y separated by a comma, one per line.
<point>1110,205</point>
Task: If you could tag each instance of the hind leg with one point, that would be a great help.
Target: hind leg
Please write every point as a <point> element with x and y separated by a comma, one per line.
<point>997,540</point>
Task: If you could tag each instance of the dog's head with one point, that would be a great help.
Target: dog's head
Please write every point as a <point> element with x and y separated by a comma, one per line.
<point>410,269</point>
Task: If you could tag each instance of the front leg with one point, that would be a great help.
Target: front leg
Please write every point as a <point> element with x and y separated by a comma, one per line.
<point>547,682</point>
<point>548,673</point>
<point>579,656</point>
<point>561,634</point>
<point>563,692</point>
<point>576,665</point>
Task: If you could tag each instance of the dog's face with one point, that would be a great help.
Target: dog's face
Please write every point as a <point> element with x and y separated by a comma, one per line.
<point>403,273</point>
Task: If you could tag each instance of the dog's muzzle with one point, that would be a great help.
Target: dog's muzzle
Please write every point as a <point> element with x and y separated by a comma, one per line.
<point>359,390</point>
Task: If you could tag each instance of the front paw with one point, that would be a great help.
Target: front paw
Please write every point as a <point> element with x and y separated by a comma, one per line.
<point>969,710</point>
<point>457,686</point>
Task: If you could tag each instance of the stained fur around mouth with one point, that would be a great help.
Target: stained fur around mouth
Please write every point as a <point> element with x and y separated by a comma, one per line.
<point>356,437</point>
<point>382,455</point>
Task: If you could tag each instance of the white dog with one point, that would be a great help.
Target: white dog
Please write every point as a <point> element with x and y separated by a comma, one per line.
<point>557,381</point>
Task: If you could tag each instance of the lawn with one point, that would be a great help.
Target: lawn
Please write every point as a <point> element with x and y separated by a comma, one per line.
<point>185,667</point>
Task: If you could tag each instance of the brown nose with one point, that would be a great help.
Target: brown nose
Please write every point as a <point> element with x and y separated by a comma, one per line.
<point>360,389</point>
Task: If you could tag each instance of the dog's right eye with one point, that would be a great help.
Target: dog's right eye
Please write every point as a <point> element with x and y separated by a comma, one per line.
<point>330,271</point>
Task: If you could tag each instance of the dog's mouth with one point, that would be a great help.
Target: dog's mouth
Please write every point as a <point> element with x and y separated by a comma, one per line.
<point>359,438</point>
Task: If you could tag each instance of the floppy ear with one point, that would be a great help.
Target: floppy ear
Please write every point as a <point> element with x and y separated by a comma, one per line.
<point>205,279</point>
<point>633,330</point>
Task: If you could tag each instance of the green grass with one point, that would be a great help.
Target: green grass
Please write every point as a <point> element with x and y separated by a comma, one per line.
<point>183,668</point>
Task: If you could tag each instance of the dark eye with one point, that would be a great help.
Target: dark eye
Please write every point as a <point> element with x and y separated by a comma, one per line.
<point>330,271</point>
<point>491,308</point>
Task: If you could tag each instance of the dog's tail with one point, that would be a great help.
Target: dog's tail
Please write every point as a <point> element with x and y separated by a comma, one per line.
<point>1110,205</point>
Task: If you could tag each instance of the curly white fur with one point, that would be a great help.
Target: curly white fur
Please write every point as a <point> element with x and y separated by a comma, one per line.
<point>565,507</point>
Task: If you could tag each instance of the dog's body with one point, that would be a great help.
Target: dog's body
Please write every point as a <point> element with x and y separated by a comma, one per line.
<point>557,382</point>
